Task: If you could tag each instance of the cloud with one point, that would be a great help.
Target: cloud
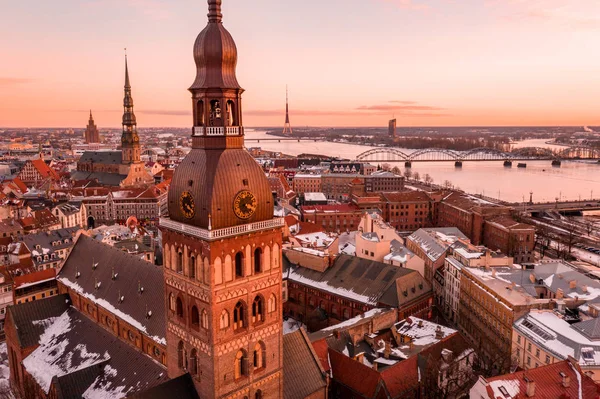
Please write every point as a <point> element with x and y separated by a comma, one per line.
<point>409,4</point>
<point>5,82</point>
<point>565,14</point>
<point>400,108</point>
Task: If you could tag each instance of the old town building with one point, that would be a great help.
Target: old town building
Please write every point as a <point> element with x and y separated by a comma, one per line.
<point>306,183</point>
<point>117,168</point>
<point>333,218</point>
<point>91,134</point>
<point>351,286</point>
<point>36,172</point>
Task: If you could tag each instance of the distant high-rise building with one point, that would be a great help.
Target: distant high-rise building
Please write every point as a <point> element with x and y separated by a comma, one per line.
<point>287,127</point>
<point>91,131</point>
<point>392,128</point>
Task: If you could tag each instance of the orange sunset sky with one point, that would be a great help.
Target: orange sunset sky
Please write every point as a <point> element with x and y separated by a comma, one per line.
<point>347,62</point>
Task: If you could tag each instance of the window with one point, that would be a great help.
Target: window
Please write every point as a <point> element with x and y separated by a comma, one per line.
<point>241,364</point>
<point>259,355</point>
<point>194,362</point>
<point>180,262</point>
<point>179,308</point>
<point>346,314</point>
<point>547,359</point>
<point>239,265</point>
<point>519,339</point>
<point>172,302</point>
<point>272,304</point>
<point>204,319</point>
<point>528,361</point>
<point>195,317</point>
<point>192,267</point>
<point>529,347</point>
<point>239,316</point>
<point>537,353</point>
<point>258,394</point>
<point>224,319</point>
<point>257,310</point>
<point>181,355</point>
<point>258,260</point>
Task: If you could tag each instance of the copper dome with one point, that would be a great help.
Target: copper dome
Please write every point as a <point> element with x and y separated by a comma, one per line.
<point>215,54</point>
<point>214,178</point>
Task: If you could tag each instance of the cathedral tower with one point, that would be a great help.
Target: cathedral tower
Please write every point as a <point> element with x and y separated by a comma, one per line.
<point>222,246</point>
<point>130,141</point>
<point>91,131</point>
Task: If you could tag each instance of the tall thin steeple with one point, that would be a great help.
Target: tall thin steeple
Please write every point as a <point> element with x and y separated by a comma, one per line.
<point>287,127</point>
<point>130,141</point>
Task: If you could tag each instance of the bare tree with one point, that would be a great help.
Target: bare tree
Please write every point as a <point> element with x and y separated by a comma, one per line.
<point>427,178</point>
<point>590,226</point>
<point>571,237</point>
<point>416,176</point>
<point>386,166</point>
<point>447,184</point>
<point>396,170</point>
<point>407,173</point>
<point>542,240</point>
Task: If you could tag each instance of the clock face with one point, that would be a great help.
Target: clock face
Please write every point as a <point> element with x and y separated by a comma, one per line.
<point>244,204</point>
<point>186,204</point>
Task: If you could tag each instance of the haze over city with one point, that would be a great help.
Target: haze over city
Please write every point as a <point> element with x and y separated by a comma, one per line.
<point>347,62</point>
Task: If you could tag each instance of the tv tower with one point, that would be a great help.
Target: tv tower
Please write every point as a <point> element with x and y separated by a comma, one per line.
<point>287,127</point>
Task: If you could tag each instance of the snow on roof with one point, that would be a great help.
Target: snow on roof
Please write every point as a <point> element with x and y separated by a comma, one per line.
<point>356,320</point>
<point>468,254</point>
<point>50,359</point>
<point>511,388</point>
<point>422,332</point>
<point>108,306</point>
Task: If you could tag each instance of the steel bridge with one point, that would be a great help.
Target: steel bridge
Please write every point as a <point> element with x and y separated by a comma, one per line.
<point>386,154</point>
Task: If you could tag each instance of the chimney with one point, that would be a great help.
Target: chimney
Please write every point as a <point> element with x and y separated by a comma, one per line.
<point>532,278</point>
<point>375,366</point>
<point>447,355</point>
<point>529,387</point>
<point>420,323</point>
<point>336,333</point>
<point>387,350</point>
<point>439,334</point>
<point>513,285</point>
<point>493,272</point>
<point>566,380</point>
<point>573,284</point>
<point>584,288</point>
<point>560,294</point>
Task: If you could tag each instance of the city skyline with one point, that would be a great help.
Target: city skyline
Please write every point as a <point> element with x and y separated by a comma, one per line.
<point>347,63</point>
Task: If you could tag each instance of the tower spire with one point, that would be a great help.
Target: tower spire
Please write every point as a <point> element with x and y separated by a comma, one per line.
<point>214,11</point>
<point>130,140</point>
<point>287,127</point>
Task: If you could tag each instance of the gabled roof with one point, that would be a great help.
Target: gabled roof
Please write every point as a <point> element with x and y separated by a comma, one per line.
<point>44,170</point>
<point>302,372</point>
<point>92,262</point>
<point>72,342</point>
<point>102,157</point>
<point>351,277</point>
<point>26,317</point>
<point>181,387</point>
<point>589,328</point>
<point>548,383</point>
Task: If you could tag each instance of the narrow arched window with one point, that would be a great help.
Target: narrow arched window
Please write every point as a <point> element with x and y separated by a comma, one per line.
<point>241,364</point>
<point>224,319</point>
<point>172,305</point>
<point>239,316</point>
<point>180,262</point>
<point>258,260</point>
<point>194,362</point>
<point>239,265</point>
<point>272,305</point>
<point>204,319</point>
<point>200,113</point>
<point>179,308</point>
<point>259,356</point>
<point>180,355</point>
<point>257,309</point>
<point>192,267</point>
<point>195,317</point>
<point>258,395</point>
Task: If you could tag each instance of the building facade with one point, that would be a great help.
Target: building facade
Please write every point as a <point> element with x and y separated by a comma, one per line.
<point>222,247</point>
<point>91,133</point>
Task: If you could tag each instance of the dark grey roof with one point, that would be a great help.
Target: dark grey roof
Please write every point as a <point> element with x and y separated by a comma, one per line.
<point>133,246</point>
<point>73,385</point>
<point>302,372</point>
<point>351,276</point>
<point>107,179</point>
<point>77,342</point>
<point>589,328</point>
<point>132,273</point>
<point>102,157</point>
<point>26,317</point>
<point>181,387</point>
<point>46,238</point>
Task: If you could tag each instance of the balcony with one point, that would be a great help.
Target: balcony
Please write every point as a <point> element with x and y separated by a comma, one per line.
<point>216,131</point>
<point>211,235</point>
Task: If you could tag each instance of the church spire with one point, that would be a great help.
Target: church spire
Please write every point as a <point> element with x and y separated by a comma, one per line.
<point>130,140</point>
<point>214,11</point>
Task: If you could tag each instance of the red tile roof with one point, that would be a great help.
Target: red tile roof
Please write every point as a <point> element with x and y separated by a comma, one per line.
<point>35,277</point>
<point>341,208</point>
<point>44,170</point>
<point>406,196</point>
<point>354,375</point>
<point>548,382</point>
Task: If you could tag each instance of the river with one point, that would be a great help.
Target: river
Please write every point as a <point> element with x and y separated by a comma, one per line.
<point>572,181</point>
